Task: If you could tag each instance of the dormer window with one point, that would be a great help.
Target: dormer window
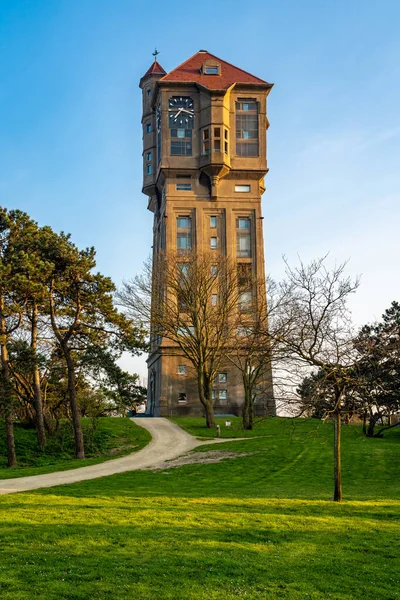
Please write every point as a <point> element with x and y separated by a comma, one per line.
<point>211,69</point>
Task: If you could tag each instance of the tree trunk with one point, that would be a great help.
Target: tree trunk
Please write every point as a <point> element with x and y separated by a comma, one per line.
<point>247,414</point>
<point>76,417</point>
<point>11,456</point>
<point>251,414</point>
<point>205,395</point>
<point>210,420</point>
<point>371,425</point>
<point>337,455</point>
<point>6,391</point>
<point>39,419</point>
<point>364,425</point>
<point>6,400</point>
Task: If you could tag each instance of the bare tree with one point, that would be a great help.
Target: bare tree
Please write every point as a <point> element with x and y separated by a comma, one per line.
<point>313,329</point>
<point>192,302</point>
<point>253,353</point>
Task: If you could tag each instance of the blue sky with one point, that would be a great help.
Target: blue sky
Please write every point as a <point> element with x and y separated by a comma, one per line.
<point>70,133</point>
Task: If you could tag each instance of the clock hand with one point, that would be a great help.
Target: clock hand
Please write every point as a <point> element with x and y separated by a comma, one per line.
<point>178,113</point>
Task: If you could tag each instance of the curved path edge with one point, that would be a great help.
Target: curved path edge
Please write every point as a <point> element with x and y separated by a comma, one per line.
<point>168,441</point>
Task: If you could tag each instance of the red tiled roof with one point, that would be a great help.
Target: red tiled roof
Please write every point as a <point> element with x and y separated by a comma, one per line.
<point>190,71</point>
<point>155,68</point>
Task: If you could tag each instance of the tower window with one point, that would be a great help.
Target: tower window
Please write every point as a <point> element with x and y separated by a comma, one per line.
<point>184,269</point>
<point>213,222</point>
<point>222,394</point>
<point>185,330</point>
<point>217,139</point>
<point>148,127</point>
<point>247,128</point>
<point>213,242</point>
<point>149,92</point>
<point>181,369</point>
<point>184,241</point>
<point>181,142</point>
<point>214,299</point>
<point>184,223</point>
<point>149,169</point>
<point>245,284</point>
<point>243,331</point>
<point>243,223</point>
<point>243,237</point>
<point>226,147</point>
<point>149,157</point>
<point>205,141</point>
<point>184,187</point>
<point>221,378</point>
<point>245,301</point>
<point>182,398</point>
<point>242,188</point>
<point>244,276</point>
<point>183,233</point>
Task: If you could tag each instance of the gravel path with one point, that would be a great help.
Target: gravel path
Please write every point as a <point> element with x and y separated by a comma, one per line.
<point>168,441</point>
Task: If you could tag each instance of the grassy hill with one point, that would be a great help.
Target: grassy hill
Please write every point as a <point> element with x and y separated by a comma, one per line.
<point>105,438</point>
<point>259,526</point>
<point>294,459</point>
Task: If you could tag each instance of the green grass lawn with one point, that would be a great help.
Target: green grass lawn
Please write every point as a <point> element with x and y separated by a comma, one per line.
<point>105,438</point>
<point>259,526</point>
<point>294,459</point>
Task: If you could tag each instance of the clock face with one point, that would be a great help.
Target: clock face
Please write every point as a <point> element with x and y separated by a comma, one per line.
<point>181,112</point>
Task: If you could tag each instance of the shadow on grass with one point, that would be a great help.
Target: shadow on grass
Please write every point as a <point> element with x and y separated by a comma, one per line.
<point>194,549</point>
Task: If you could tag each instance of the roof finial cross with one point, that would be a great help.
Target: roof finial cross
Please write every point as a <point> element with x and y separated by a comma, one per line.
<point>155,54</point>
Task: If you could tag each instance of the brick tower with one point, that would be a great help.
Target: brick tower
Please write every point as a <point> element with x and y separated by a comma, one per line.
<point>204,162</point>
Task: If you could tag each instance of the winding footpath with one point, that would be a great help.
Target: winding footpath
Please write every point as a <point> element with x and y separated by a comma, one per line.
<point>168,441</point>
